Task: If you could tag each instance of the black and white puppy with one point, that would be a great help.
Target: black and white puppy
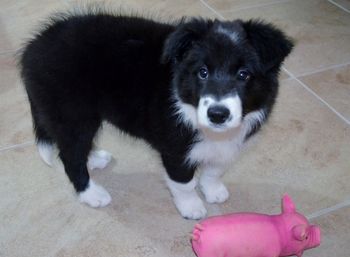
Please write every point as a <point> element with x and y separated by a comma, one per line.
<point>196,90</point>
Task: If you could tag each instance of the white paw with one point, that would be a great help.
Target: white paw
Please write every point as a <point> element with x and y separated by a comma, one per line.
<point>95,195</point>
<point>191,207</point>
<point>98,159</point>
<point>215,192</point>
<point>186,199</point>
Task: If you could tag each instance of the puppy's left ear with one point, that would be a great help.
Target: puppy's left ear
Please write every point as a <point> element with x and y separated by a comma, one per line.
<point>271,44</point>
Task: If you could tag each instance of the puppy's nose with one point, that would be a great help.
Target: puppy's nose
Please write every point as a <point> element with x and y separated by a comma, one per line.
<point>218,114</point>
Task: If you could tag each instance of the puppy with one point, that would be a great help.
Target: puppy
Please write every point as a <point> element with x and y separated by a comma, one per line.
<point>196,90</point>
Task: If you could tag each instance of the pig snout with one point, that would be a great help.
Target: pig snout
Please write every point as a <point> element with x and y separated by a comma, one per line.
<point>315,237</point>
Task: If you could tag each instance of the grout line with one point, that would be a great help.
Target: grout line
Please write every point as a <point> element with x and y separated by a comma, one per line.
<point>286,79</point>
<point>6,148</point>
<point>317,96</point>
<point>328,210</point>
<point>324,69</point>
<point>212,9</point>
<point>340,6</point>
<point>255,6</point>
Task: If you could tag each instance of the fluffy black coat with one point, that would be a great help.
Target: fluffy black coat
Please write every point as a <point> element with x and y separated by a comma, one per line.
<point>83,69</point>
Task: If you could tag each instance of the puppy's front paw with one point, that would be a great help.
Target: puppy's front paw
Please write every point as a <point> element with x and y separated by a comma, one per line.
<point>215,192</point>
<point>95,196</point>
<point>191,207</point>
<point>98,159</point>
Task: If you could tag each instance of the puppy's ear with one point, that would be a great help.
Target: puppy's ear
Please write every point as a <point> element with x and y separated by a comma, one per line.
<point>183,38</point>
<point>271,44</point>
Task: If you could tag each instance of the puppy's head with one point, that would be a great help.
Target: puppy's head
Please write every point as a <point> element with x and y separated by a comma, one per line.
<point>224,70</point>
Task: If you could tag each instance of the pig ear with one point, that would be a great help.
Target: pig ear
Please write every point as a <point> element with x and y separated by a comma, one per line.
<point>299,232</point>
<point>287,204</point>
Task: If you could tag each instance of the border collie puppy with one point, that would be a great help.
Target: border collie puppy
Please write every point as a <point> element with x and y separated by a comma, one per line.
<point>196,90</point>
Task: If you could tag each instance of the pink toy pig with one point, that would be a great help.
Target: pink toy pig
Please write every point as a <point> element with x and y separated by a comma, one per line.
<point>256,235</point>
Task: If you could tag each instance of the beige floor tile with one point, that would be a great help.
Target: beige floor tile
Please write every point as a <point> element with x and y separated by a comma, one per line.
<point>333,86</point>
<point>320,28</point>
<point>5,44</point>
<point>229,5</point>
<point>303,150</point>
<point>283,75</point>
<point>128,152</point>
<point>343,3</point>
<point>15,125</point>
<point>335,229</point>
<point>20,19</point>
<point>41,216</point>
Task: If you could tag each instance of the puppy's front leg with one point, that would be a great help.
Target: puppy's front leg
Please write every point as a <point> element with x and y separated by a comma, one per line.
<point>212,187</point>
<point>182,185</point>
<point>186,199</point>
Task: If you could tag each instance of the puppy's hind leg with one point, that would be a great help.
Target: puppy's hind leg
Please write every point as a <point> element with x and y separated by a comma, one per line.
<point>44,141</point>
<point>98,159</point>
<point>74,147</point>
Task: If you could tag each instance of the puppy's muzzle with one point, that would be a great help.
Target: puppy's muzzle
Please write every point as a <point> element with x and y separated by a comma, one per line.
<point>218,114</point>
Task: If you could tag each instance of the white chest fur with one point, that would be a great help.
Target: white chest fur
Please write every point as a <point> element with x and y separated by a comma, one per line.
<point>221,151</point>
<point>216,152</point>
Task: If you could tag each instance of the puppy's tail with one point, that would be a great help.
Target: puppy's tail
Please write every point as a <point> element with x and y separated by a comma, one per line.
<point>46,152</point>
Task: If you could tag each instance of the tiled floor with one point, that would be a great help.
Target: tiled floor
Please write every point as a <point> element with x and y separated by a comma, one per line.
<point>304,150</point>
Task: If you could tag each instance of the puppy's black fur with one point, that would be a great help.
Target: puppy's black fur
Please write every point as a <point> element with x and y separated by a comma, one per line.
<point>83,69</point>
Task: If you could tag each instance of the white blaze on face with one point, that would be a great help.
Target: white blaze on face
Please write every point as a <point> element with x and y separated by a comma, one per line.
<point>232,103</point>
<point>233,35</point>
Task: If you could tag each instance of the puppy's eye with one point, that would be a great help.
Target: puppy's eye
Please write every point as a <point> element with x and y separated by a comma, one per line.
<point>243,75</point>
<point>203,73</point>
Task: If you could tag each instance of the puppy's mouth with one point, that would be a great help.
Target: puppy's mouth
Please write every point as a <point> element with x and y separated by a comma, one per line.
<point>219,115</point>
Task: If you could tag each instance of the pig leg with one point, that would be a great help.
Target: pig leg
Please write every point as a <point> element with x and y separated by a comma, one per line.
<point>212,187</point>
<point>201,246</point>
